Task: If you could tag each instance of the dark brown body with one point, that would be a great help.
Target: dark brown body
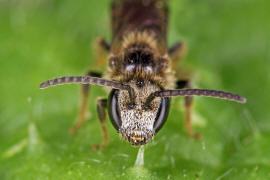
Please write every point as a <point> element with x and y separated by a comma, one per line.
<point>140,26</point>
<point>139,15</point>
<point>140,74</point>
<point>139,58</point>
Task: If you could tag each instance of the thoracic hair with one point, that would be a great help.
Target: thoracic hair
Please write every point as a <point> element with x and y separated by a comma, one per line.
<point>140,57</point>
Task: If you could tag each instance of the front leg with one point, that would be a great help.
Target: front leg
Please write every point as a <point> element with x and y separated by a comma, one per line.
<point>101,109</point>
<point>84,105</point>
<point>188,106</point>
<point>102,48</point>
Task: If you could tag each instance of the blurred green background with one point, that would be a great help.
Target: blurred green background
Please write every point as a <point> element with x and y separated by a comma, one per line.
<point>228,49</point>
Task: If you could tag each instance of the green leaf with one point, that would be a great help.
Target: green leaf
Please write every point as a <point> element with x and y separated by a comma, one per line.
<point>228,49</point>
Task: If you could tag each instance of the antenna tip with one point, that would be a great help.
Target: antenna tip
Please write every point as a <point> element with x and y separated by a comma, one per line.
<point>42,85</point>
<point>243,100</point>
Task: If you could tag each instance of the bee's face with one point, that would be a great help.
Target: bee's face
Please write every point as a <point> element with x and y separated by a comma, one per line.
<point>138,124</point>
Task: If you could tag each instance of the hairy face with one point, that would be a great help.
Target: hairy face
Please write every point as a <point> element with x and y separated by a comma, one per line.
<point>137,122</point>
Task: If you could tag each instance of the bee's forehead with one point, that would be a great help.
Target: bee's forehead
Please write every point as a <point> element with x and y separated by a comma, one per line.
<point>138,112</point>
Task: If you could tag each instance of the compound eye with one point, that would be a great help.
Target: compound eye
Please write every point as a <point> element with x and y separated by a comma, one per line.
<point>163,113</point>
<point>113,109</point>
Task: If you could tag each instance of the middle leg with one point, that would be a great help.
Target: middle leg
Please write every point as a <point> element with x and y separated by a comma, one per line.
<point>188,107</point>
<point>102,48</point>
<point>176,52</point>
<point>84,105</point>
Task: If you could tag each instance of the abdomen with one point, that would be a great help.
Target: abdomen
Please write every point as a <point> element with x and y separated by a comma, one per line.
<point>139,15</point>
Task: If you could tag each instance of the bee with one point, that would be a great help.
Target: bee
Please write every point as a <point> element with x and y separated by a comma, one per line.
<point>140,73</point>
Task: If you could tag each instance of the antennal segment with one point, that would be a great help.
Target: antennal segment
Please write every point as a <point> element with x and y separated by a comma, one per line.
<point>196,92</point>
<point>89,80</point>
